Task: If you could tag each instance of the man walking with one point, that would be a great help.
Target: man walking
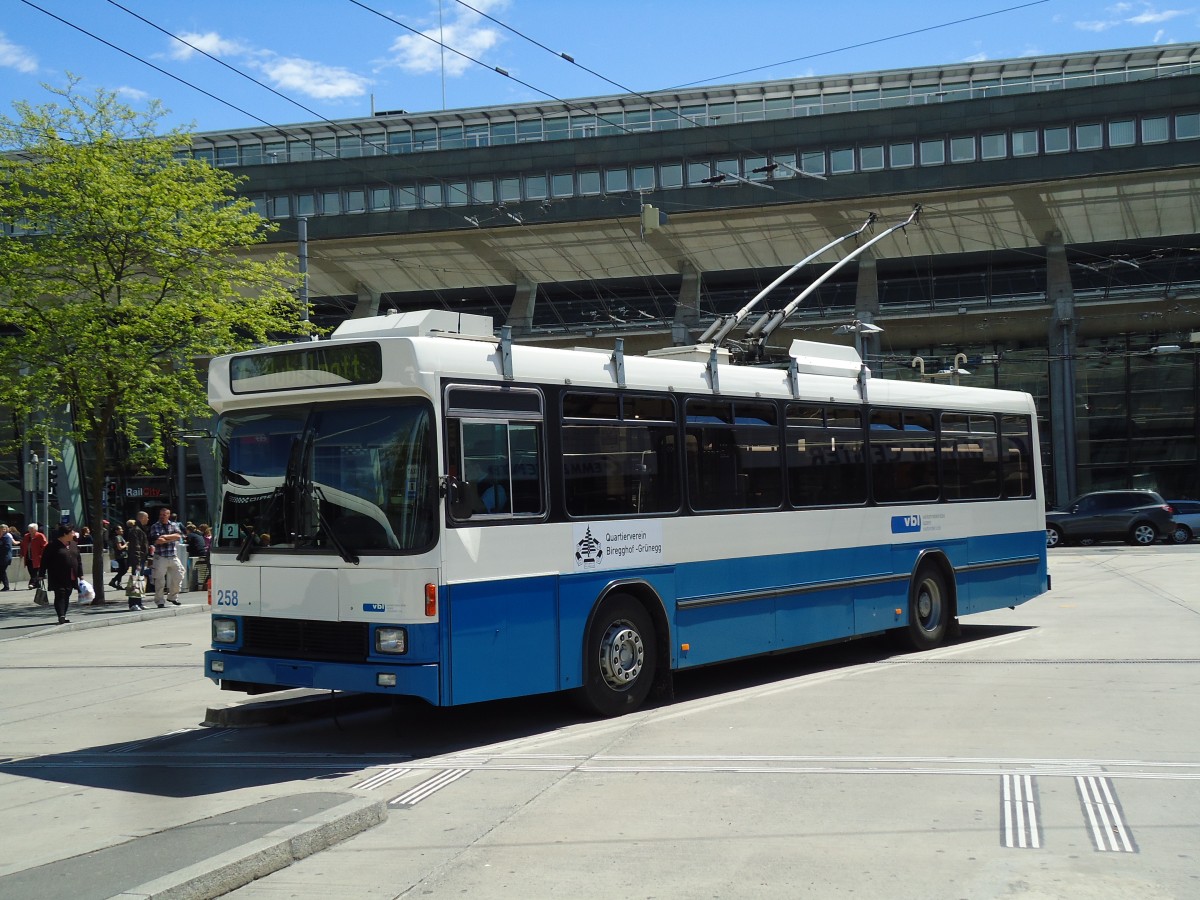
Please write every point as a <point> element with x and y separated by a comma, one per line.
<point>165,536</point>
<point>137,539</point>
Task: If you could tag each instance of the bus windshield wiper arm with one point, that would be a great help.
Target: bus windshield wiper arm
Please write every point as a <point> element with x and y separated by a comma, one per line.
<point>344,552</point>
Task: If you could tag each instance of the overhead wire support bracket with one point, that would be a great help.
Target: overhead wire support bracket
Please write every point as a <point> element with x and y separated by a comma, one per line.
<point>618,361</point>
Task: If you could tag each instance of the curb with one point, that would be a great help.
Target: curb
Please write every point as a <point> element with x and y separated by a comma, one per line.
<point>115,616</point>
<point>229,871</point>
<point>300,705</point>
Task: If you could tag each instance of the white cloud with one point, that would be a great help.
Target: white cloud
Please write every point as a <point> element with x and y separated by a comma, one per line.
<point>311,78</point>
<point>976,58</point>
<point>465,31</point>
<point>131,93</point>
<point>1151,17</point>
<point>14,56</point>
<point>286,73</point>
<point>210,42</point>
<point>1120,14</point>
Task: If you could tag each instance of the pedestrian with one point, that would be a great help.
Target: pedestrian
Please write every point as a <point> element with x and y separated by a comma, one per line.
<point>84,540</point>
<point>138,541</point>
<point>119,548</point>
<point>33,544</point>
<point>62,567</point>
<point>165,536</point>
<point>7,547</point>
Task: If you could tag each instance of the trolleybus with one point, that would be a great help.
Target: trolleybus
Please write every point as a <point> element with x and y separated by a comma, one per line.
<point>417,508</point>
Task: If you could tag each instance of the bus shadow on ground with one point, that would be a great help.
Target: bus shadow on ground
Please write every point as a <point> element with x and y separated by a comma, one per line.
<point>335,744</point>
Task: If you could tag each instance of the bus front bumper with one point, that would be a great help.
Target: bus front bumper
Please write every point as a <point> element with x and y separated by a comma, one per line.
<point>411,680</point>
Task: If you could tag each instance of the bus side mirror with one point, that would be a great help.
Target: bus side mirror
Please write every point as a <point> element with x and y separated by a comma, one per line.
<point>456,497</point>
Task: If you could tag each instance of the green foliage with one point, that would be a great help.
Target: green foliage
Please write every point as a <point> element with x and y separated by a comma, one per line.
<point>127,266</point>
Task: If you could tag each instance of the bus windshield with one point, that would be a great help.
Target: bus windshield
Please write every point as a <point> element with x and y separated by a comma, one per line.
<point>344,479</point>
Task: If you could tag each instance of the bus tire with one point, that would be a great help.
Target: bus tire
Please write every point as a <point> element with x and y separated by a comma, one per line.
<point>929,609</point>
<point>619,661</point>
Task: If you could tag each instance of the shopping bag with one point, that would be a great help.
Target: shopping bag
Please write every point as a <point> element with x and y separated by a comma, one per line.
<point>114,565</point>
<point>87,593</point>
<point>40,597</point>
<point>133,590</point>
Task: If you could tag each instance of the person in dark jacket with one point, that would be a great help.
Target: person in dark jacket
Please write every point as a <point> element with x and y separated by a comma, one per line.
<point>62,567</point>
<point>138,542</point>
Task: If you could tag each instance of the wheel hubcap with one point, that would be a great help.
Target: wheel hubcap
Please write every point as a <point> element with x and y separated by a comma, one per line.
<point>929,606</point>
<point>1144,535</point>
<point>622,655</point>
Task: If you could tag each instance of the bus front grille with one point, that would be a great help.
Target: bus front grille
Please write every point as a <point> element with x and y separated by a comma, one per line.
<point>305,639</point>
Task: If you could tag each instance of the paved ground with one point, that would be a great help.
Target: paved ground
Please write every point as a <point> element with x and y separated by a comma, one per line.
<point>1049,753</point>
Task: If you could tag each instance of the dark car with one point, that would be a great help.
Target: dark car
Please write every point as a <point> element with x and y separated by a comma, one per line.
<point>1187,520</point>
<point>1139,517</point>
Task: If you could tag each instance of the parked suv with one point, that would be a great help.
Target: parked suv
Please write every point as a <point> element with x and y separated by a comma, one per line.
<point>1139,517</point>
<point>1187,520</point>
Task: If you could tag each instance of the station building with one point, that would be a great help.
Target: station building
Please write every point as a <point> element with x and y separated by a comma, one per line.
<point>1056,251</point>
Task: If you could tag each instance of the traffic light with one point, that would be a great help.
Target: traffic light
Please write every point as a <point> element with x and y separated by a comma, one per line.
<point>110,495</point>
<point>51,478</point>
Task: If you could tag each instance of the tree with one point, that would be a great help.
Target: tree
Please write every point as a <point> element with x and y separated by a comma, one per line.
<point>122,269</point>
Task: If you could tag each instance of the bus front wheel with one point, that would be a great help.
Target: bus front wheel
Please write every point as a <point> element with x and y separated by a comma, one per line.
<point>619,658</point>
<point>929,609</point>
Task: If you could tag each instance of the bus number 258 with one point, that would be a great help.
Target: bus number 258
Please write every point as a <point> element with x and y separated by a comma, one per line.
<point>227,598</point>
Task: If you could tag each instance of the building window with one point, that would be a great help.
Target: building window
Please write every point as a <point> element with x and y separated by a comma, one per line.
<point>1058,140</point>
<point>456,194</point>
<point>252,154</point>
<point>399,141</point>
<point>381,198</point>
<point>349,147</point>
<point>306,205</point>
<point>477,136</point>
<point>510,190</point>
<point>504,133</point>
<point>1089,137</point>
<point>484,191</point>
<point>356,201</point>
<point>812,162</point>
<point>1154,130</point>
<point>450,137</point>
<point>227,156</point>
<point>697,172</point>
<point>643,178</point>
<point>1121,133</point>
<point>589,182</point>
<point>331,203</point>
<point>870,158</point>
<point>406,197</point>
<point>536,187</point>
<point>529,130</point>
<point>993,146</point>
<point>1025,143</point>
<point>670,175</point>
<point>562,184</point>
<point>787,165</point>
<point>616,181</point>
<point>431,195</point>
<point>1187,126</point>
<point>299,151</point>
<point>933,153</point>
<point>841,161</point>
<point>962,149</point>
<point>902,155</point>
<point>281,206</point>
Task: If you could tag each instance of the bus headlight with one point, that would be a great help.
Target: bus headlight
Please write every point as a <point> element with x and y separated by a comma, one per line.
<point>224,631</point>
<point>391,640</point>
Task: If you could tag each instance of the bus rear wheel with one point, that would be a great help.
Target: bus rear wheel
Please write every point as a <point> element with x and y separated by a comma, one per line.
<point>929,609</point>
<point>619,658</point>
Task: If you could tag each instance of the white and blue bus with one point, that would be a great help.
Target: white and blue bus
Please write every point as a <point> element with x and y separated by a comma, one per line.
<point>418,508</point>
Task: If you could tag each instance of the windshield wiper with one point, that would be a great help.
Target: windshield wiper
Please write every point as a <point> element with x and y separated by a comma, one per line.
<point>344,552</point>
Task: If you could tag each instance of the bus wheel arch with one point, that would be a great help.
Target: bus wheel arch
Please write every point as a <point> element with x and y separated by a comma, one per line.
<point>932,602</point>
<point>625,651</point>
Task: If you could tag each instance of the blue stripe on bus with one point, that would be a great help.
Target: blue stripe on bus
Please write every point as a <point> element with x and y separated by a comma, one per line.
<point>521,636</point>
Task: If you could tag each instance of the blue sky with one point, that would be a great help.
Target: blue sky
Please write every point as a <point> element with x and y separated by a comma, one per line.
<point>334,56</point>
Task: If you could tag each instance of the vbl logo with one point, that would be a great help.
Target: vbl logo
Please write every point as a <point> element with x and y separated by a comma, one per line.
<point>906,524</point>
